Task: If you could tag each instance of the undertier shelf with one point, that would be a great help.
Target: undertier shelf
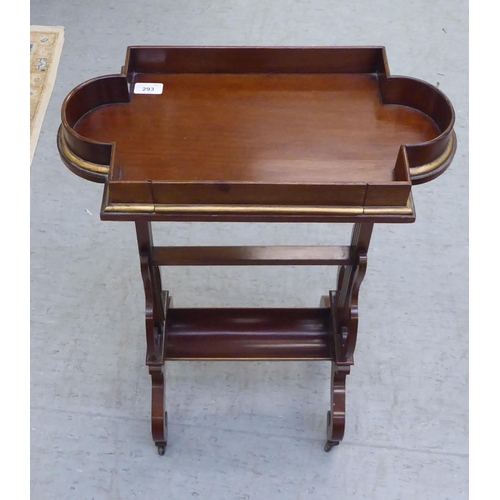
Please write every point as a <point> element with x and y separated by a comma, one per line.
<point>248,334</point>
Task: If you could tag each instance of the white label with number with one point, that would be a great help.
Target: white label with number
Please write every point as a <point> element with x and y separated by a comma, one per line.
<point>148,88</point>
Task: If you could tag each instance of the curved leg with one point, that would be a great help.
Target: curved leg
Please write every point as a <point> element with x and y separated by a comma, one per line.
<point>157,302</point>
<point>344,314</point>
<point>350,277</point>
<point>336,416</point>
<point>159,428</point>
<point>344,345</point>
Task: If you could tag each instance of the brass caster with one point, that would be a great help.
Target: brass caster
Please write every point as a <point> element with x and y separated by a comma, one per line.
<point>161,445</point>
<point>330,444</point>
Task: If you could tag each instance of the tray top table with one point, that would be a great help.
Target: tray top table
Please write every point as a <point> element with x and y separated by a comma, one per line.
<point>256,134</point>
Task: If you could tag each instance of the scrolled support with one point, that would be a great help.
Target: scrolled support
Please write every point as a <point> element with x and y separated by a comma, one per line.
<point>157,302</point>
<point>159,428</point>
<point>336,415</point>
<point>345,314</point>
<point>349,342</point>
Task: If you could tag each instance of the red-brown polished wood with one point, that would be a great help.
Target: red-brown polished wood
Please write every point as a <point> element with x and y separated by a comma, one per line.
<point>250,334</point>
<point>252,256</point>
<point>256,134</point>
<point>266,129</point>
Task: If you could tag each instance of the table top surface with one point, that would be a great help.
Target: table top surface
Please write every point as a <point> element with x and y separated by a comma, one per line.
<point>299,140</point>
<point>317,129</point>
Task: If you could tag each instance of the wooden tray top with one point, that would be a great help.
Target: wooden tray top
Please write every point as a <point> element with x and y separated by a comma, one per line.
<point>246,133</point>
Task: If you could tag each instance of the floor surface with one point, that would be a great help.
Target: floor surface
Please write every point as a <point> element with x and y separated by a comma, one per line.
<point>249,430</point>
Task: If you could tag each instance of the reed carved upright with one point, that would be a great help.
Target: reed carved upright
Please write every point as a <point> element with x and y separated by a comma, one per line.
<point>256,134</point>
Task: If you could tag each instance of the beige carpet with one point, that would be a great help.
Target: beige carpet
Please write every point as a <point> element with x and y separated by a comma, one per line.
<point>45,51</point>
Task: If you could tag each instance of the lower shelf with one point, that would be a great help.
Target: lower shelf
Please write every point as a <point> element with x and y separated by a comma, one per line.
<point>248,334</point>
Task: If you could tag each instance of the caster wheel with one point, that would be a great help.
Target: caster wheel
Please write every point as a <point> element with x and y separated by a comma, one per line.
<point>330,444</point>
<point>161,444</point>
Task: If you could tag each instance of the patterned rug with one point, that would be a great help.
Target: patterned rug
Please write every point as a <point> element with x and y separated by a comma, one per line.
<point>45,51</point>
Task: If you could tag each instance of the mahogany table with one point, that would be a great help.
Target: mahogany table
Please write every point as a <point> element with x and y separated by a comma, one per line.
<point>246,134</point>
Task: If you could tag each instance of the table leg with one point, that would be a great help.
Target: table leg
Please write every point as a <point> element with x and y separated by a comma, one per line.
<point>360,241</point>
<point>156,305</point>
<point>159,428</point>
<point>336,415</point>
<point>345,329</point>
